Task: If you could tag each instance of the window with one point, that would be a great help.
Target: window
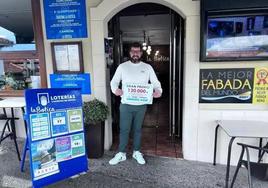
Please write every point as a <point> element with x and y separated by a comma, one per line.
<point>22,63</point>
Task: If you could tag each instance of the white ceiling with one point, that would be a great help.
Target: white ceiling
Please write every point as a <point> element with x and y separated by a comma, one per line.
<point>16,15</point>
<point>157,27</point>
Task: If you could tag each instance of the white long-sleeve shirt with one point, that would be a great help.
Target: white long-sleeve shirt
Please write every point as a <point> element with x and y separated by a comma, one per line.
<point>139,73</point>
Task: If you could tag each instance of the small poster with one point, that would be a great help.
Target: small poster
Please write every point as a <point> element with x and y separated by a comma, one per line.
<point>260,95</point>
<point>44,162</point>
<point>138,93</point>
<point>74,64</point>
<point>78,145</point>
<point>75,120</point>
<point>40,126</point>
<point>61,56</point>
<point>63,148</point>
<point>59,123</point>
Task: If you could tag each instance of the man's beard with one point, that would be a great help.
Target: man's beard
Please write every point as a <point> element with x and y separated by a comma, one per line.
<point>135,60</point>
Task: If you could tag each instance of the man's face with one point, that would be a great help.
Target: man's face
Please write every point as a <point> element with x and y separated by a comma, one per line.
<point>135,54</point>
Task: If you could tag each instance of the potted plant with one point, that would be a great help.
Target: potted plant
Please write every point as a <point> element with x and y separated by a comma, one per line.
<point>95,114</point>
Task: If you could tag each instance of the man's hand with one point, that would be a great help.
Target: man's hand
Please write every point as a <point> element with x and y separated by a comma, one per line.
<point>157,94</point>
<point>118,92</point>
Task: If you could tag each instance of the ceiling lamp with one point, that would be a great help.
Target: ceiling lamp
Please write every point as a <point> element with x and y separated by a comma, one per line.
<point>144,44</point>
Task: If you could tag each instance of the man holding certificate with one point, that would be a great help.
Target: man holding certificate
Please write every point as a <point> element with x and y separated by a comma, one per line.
<point>136,93</point>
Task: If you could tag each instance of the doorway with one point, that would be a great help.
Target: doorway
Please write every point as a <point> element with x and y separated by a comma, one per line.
<point>160,30</point>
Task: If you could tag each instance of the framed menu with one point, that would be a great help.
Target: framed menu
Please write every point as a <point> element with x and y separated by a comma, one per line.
<point>67,57</point>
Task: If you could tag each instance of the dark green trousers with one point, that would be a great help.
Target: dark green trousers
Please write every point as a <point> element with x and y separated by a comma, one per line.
<point>131,116</point>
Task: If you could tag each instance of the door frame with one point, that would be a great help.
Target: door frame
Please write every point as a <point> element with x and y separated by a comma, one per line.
<point>99,18</point>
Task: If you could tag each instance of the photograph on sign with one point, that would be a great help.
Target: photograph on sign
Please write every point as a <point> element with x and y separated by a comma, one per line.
<point>226,85</point>
<point>44,162</point>
<point>75,120</point>
<point>59,124</point>
<point>63,148</point>
<point>78,145</point>
<point>40,126</point>
<point>137,93</point>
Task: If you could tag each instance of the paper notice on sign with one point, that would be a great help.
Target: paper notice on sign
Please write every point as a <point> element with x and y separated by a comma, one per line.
<point>63,148</point>
<point>74,62</point>
<point>137,94</point>
<point>61,56</point>
<point>44,159</point>
<point>260,91</point>
<point>78,145</point>
<point>40,126</point>
<point>59,124</point>
<point>75,120</point>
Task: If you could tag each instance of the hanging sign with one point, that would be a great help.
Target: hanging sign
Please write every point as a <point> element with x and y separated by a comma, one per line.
<point>56,137</point>
<point>65,19</point>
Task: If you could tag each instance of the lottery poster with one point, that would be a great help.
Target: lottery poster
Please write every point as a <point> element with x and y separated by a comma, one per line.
<point>59,124</point>
<point>44,161</point>
<point>75,120</point>
<point>137,93</point>
<point>56,137</point>
<point>40,128</point>
<point>63,148</point>
<point>78,143</point>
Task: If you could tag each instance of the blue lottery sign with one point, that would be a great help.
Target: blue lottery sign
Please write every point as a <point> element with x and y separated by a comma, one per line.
<point>56,138</point>
<point>81,81</point>
<point>65,19</point>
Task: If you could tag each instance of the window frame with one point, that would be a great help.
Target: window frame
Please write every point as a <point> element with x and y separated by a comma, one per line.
<point>39,53</point>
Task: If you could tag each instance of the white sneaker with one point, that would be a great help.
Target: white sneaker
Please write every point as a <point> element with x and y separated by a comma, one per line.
<point>139,157</point>
<point>119,157</point>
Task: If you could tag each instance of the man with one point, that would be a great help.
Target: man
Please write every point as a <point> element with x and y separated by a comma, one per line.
<point>132,113</point>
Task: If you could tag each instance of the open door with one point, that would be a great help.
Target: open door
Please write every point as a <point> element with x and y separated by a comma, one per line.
<point>176,74</point>
<point>115,34</point>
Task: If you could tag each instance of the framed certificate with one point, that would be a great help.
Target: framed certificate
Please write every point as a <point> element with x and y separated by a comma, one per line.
<point>137,93</point>
<point>67,57</point>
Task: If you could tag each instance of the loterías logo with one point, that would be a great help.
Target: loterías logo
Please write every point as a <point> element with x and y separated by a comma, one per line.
<point>43,98</point>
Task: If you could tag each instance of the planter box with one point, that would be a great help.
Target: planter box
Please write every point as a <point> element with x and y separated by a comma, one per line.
<point>94,134</point>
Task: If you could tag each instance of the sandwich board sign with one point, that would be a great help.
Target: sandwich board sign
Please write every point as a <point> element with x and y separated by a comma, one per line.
<point>56,138</point>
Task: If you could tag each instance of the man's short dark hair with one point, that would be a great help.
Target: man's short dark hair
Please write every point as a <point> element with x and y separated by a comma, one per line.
<point>135,45</point>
